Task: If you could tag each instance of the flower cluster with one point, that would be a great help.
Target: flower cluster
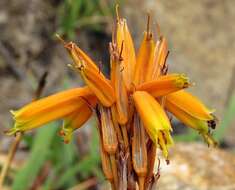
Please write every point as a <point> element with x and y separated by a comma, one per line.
<point>132,106</point>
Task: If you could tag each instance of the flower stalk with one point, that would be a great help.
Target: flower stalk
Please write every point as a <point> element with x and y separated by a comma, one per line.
<point>131,106</point>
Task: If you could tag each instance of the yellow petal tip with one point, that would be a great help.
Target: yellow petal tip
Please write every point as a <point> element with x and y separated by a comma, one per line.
<point>182,81</point>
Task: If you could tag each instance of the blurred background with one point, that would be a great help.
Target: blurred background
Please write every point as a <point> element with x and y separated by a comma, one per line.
<point>201,38</point>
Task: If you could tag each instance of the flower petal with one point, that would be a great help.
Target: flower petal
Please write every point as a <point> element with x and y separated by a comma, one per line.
<point>144,59</point>
<point>94,79</point>
<point>108,130</point>
<point>159,59</point>
<point>165,85</point>
<point>187,119</point>
<point>202,126</point>
<point>190,104</point>
<point>50,108</point>
<point>77,55</point>
<point>151,113</point>
<point>119,87</point>
<point>124,40</point>
<point>74,121</point>
<point>42,105</point>
<point>165,141</point>
<point>139,150</point>
<point>99,85</point>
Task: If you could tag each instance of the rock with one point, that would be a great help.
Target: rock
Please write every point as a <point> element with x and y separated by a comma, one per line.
<point>194,166</point>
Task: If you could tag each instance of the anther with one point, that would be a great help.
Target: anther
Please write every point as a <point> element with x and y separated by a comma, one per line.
<point>149,35</point>
<point>212,124</point>
<point>164,68</point>
<point>100,66</point>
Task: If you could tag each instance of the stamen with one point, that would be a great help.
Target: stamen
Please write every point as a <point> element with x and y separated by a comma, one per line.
<point>60,39</point>
<point>164,68</point>
<point>149,35</point>
<point>158,31</point>
<point>100,66</point>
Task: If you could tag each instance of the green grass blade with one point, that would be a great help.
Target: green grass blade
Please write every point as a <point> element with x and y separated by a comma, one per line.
<point>39,154</point>
<point>227,119</point>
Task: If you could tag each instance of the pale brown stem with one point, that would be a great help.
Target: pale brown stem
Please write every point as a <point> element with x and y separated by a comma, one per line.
<point>114,170</point>
<point>14,146</point>
<point>151,163</point>
<point>116,125</point>
<point>112,185</point>
<point>126,148</point>
<point>123,171</point>
<point>141,182</point>
<point>10,157</point>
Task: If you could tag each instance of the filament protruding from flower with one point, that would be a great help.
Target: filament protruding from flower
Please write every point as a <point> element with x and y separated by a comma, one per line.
<point>149,34</point>
<point>60,39</point>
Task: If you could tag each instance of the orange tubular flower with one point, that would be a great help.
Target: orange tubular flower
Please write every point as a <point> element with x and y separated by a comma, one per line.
<point>190,110</point>
<point>117,81</point>
<point>144,58</point>
<point>124,39</point>
<point>130,107</point>
<point>165,85</point>
<point>51,108</point>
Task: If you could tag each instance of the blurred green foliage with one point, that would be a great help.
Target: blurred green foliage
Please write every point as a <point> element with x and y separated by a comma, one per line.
<point>229,117</point>
<point>66,167</point>
<point>75,14</point>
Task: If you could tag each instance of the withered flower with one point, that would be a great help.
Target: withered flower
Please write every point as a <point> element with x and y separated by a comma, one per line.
<point>131,106</point>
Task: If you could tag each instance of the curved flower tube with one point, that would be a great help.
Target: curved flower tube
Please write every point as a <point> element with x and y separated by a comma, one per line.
<point>51,108</point>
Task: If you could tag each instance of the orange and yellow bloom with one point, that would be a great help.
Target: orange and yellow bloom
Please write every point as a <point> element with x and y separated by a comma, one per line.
<point>131,106</point>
